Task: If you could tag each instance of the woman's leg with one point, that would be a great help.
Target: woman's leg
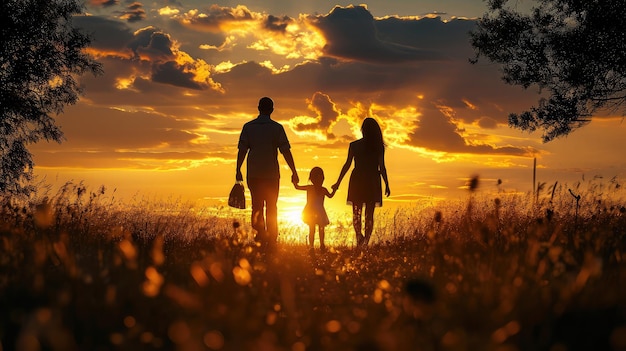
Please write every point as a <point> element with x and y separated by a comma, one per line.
<point>356,222</point>
<point>369,222</point>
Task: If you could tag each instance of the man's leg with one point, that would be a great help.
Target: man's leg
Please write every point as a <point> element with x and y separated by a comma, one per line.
<point>271,209</point>
<point>258,201</point>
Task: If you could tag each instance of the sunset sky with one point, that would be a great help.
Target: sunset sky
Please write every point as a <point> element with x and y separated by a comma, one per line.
<point>182,77</point>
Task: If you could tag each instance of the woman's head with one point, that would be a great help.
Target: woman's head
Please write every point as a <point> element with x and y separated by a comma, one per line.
<point>316,176</point>
<point>372,134</point>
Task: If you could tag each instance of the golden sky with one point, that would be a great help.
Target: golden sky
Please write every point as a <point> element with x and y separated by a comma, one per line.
<point>182,77</point>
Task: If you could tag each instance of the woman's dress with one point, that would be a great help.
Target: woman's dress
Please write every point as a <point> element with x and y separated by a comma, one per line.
<point>365,185</point>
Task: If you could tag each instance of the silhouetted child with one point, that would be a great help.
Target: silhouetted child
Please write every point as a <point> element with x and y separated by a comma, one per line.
<point>314,212</point>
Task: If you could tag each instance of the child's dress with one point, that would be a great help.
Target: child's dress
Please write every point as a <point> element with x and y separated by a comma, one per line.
<point>314,212</point>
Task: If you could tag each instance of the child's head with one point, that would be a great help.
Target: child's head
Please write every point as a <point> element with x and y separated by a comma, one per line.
<point>316,176</point>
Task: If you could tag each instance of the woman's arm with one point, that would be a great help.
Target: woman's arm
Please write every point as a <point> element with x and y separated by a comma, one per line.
<point>345,168</point>
<point>383,172</point>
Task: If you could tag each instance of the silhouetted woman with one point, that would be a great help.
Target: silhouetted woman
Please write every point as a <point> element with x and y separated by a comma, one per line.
<point>364,188</point>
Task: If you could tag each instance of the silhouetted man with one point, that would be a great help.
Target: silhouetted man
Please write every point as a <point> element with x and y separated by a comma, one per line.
<point>261,139</point>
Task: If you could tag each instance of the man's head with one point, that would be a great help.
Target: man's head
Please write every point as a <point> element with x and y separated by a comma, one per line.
<point>266,106</point>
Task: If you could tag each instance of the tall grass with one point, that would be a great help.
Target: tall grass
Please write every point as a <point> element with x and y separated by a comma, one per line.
<point>81,271</point>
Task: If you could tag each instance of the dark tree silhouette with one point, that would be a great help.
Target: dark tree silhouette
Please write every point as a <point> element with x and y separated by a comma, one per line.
<point>573,50</point>
<point>41,56</point>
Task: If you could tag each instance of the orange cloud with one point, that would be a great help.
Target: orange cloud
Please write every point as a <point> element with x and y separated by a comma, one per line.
<point>326,112</point>
<point>218,19</point>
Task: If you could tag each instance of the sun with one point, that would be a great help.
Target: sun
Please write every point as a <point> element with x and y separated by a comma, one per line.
<point>290,206</point>
<point>291,215</point>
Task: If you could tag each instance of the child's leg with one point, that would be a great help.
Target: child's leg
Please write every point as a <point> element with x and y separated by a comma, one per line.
<point>311,235</point>
<point>322,233</point>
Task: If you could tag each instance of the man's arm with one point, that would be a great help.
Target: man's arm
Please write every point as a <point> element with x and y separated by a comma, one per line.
<point>241,155</point>
<point>289,159</point>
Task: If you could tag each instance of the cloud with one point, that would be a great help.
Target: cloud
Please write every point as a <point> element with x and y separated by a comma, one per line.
<point>438,132</point>
<point>487,123</point>
<point>169,64</point>
<point>217,18</point>
<point>109,37</point>
<point>352,33</point>
<point>407,58</point>
<point>103,3</point>
<point>95,128</point>
<point>448,38</point>
<point>126,159</point>
<point>133,13</point>
<point>289,38</point>
<point>136,139</point>
<point>150,52</point>
<point>277,24</point>
<point>327,114</point>
<point>151,43</point>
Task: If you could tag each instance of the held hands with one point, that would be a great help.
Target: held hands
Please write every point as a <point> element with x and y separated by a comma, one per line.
<point>332,193</point>
<point>294,178</point>
<point>239,176</point>
<point>335,186</point>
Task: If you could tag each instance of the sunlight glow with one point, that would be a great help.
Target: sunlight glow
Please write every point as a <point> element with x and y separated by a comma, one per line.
<point>125,83</point>
<point>268,64</point>
<point>291,215</point>
<point>229,43</point>
<point>298,41</point>
<point>225,66</point>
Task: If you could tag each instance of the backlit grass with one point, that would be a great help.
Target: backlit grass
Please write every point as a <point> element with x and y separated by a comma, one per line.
<point>80,271</point>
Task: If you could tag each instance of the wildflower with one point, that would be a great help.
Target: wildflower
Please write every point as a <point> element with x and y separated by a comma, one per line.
<point>472,185</point>
<point>438,216</point>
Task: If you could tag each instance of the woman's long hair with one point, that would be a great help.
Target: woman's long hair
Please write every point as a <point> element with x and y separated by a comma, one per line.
<point>373,135</point>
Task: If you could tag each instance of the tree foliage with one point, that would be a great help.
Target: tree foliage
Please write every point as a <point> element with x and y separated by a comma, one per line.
<point>41,57</point>
<point>573,50</point>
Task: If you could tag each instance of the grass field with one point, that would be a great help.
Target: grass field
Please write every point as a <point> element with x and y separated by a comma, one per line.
<point>79,271</point>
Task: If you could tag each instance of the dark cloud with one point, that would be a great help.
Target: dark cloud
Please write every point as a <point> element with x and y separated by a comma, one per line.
<point>437,132</point>
<point>326,115</point>
<point>487,123</point>
<point>449,38</point>
<point>103,3</point>
<point>171,73</point>
<point>153,43</point>
<point>148,50</point>
<point>351,33</point>
<point>106,34</point>
<point>276,24</point>
<point>158,46</point>
<point>133,13</point>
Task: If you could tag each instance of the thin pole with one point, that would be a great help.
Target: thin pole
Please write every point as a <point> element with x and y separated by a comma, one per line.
<point>534,174</point>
